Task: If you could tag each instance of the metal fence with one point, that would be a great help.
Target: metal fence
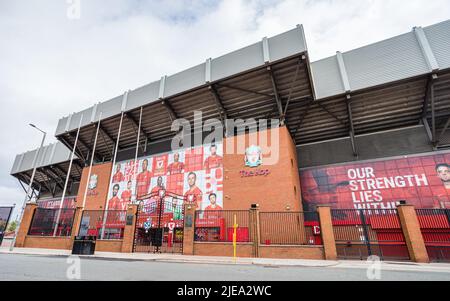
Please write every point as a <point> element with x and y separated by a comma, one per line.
<point>52,222</point>
<point>289,228</point>
<point>218,226</point>
<point>94,221</point>
<point>435,228</point>
<point>360,233</point>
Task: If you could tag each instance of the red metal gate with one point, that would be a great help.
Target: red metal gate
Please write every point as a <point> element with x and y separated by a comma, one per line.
<point>435,227</point>
<point>360,233</point>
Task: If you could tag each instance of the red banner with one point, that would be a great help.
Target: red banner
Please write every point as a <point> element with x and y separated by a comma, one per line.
<point>422,181</point>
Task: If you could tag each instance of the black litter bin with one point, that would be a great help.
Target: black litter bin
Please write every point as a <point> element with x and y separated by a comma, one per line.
<point>84,245</point>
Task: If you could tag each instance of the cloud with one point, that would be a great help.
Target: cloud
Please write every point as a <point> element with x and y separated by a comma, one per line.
<point>52,66</point>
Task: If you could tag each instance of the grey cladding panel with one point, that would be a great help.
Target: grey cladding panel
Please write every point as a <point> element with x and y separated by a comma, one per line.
<point>235,62</point>
<point>287,44</point>
<point>185,80</point>
<point>386,61</point>
<point>143,95</point>
<point>109,108</point>
<point>75,121</point>
<point>326,77</point>
<point>60,128</point>
<point>61,154</point>
<point>439,38</point>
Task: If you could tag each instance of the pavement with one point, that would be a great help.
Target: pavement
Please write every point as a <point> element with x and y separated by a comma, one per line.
<point>216,260</point>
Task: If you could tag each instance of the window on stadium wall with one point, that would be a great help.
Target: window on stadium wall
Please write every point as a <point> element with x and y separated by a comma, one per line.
<point>194,174</point>
<point>422,181</point>
<point>53,203</point>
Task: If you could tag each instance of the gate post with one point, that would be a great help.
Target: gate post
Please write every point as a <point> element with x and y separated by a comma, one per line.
<point>76,225</point>
<point>25,224</point>
<point>254,224</point>
<point>413,235</point>
<point>326,228</point>
<point>188,231</point>
<point>130,229</point>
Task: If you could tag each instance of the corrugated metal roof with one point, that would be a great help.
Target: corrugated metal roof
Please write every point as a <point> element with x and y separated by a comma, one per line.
<point>50,154</point>
<point>280,47</point>
<point>384,62</point>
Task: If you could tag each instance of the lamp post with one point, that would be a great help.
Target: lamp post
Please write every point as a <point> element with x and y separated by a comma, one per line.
<point>30,186</point>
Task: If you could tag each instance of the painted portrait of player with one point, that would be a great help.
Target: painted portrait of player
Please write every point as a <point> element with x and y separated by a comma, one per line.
<point>118,175</point>
<point>441,194</point>
<point>143,179</point>
<point>176,163</point>
<point>194,188</point>
<point>213,157</point>
<point>115,203</point>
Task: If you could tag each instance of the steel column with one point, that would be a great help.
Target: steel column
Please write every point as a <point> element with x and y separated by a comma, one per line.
<point>67,178</point>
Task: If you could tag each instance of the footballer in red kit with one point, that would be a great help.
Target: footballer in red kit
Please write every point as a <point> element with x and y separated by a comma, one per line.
<point>194,194</point>
<point>143,180</point>
<point>442,194</point>
<point>118,176</point>
<point>214,160</point>
<point>159,185</point>
<point>115,203</point>
<point>176,167</point>
<point>126,194</point>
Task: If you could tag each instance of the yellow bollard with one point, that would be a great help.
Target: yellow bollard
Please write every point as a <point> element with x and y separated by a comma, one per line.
<point>234,238</point>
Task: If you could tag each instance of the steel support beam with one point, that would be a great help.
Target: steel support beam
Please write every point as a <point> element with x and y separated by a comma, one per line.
<point>429,87</point>
<point>136,124</point>
<point>219,104</point>
<point>108,135</point>
<point>331,113</point>
<point>444,129</point>
<point>244,90</point>
<point>351,127</point>
<point>170,110</point>
<point>276,94</point>
<point>55,180</point>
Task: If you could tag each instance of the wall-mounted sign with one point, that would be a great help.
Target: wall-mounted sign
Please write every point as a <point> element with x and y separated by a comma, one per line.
<point>254,173</point>
<point>253,156</point>
<point>92,185</point>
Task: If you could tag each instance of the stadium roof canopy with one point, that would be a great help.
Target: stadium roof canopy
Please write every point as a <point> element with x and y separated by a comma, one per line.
<point>398,82</point>
<point>52,166</point>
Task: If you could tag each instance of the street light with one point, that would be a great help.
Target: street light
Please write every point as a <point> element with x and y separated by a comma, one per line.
<point>30,186</point>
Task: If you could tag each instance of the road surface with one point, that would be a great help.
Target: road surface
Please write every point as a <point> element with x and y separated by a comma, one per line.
<point>55,268</point>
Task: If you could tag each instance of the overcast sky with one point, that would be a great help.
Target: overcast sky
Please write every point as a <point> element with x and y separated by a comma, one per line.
<point>52,65</point>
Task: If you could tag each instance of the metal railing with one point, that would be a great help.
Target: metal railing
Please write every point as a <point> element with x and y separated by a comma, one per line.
<point>217,226</point>
<point>45,222</point>
<point>289,228</point>
<point>112,221</point>
<point>435,228</point>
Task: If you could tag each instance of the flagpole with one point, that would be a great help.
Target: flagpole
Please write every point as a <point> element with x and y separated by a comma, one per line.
<point>137,150</point>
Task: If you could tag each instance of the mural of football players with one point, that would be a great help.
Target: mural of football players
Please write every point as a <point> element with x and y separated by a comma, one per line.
<point>143,180</point>
<point>214,160</point>
<point>194,194</point>
<point>442,194</point>
<point>176,167</point>
<point>115,202</point>
<point>126,194</point>
<point>118,176</point>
